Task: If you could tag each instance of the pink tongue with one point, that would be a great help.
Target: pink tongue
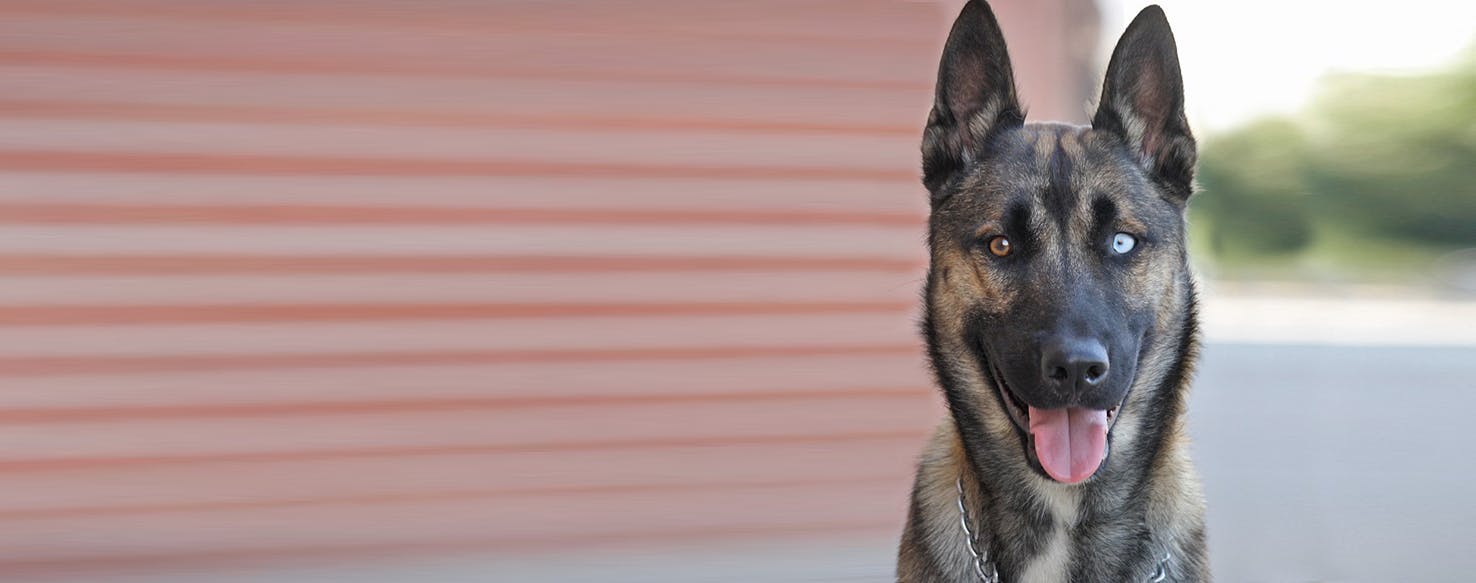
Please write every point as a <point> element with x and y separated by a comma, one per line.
<point>1070,443</point>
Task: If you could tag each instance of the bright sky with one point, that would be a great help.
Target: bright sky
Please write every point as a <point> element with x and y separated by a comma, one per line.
<point>1251,57</point>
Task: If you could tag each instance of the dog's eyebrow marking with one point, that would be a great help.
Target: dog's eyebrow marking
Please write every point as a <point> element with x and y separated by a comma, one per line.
<point>988,229</point>
<point>1017,224</point>
<point>1107,214</point>
<point>1104,213</point>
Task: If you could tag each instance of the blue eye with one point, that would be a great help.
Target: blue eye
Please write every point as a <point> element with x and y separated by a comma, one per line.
<point>1123,242</point>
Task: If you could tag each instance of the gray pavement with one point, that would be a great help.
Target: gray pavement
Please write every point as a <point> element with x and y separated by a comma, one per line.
<point>1339,463</point>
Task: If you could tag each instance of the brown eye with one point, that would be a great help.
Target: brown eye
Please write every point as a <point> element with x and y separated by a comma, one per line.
<point>1000,245</point>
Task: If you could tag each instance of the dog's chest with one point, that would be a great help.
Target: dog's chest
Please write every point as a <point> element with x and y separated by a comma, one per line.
<point>1052,561</point>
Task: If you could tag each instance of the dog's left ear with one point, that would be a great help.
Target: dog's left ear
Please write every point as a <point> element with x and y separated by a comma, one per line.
<point>1143,102</point>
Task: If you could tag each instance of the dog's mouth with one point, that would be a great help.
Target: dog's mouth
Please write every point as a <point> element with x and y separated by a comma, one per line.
<point>1067,444</point>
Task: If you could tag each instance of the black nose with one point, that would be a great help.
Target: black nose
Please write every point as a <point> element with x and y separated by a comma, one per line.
<point>1073,365</point>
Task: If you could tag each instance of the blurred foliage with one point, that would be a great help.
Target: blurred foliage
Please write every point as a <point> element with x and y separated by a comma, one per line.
<point>1379,170</point>
<point>1255,195</point>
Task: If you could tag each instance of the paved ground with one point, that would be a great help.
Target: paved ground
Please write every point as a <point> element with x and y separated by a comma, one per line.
<point>1338,463</point>
<point>1321,463</point>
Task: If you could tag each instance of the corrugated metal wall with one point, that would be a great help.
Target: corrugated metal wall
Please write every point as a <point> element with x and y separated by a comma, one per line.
<point>292,281</point>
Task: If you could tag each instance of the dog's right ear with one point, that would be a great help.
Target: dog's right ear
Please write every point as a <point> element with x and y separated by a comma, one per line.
<point>975,96</point>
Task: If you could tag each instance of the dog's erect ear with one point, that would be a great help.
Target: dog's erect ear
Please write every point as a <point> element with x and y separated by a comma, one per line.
<point>1143,102</point>
<point>975,97</point>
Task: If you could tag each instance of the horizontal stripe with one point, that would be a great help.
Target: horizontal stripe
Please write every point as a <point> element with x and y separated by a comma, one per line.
<point>70,264</point>
<point>137,315</point>
<point>34,160</point>
<point>453,335</point>
<point>79,462</point>
<point>209,560</point>
<point>503,96</point>
<point>532,516</point>
<point>799,373</point>
<point>590,240</point>
<point>298,408</point>
<point>173,113</point>
<point>569,426</point>
<point>401,289</point>
<point>400,215</point>
<point>517,471</point>
<point>406,525</point>
<point>634,195</point>
<point>379,500</point>
<point>395,49</point>
<point>430,68</point>
<point>902,26</point>
<point>78,365</point>
<point>456,145</point>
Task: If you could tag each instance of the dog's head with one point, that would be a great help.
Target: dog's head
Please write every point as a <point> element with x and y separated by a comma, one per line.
<point>1059,281</point>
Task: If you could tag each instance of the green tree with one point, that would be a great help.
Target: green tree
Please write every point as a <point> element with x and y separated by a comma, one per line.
<point>1397,154</point>
<point>1255,200</point>
<point>1390,157</point>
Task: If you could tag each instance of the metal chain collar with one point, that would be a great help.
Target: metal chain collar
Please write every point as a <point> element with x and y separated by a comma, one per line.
<point>985,569</point>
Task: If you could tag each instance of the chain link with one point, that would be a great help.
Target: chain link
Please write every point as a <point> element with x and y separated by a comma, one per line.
<point>984,568</point>
<point>1162,572</point>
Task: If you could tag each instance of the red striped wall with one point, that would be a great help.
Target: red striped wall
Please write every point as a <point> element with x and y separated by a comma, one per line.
<point>288,281</point>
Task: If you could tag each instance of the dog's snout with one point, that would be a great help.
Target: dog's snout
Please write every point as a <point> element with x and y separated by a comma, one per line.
<point>1073,365</point>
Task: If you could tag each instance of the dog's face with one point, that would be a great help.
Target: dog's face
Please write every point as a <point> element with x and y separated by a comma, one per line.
<point>1058,257</point>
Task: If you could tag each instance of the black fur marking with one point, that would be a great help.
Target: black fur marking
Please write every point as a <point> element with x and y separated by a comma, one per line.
<point>1017,226</point>
<point>1104,215</point>
<point>1060,192</point>
<point>1104,222</point>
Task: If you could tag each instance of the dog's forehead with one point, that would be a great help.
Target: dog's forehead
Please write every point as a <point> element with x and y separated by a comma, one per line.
<point>1056,167</point>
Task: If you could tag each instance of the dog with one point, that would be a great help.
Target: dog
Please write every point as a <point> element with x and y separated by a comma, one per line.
<point>1060,321</point>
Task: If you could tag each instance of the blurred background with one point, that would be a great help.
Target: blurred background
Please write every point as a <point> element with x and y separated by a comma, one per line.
<point>625,290</point>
